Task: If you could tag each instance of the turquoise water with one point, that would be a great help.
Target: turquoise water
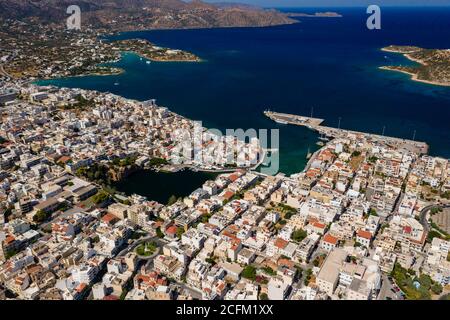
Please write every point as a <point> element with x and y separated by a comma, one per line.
<point>330,64</point>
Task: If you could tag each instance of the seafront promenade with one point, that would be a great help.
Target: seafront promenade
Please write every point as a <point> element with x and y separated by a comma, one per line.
<point>315,124</point>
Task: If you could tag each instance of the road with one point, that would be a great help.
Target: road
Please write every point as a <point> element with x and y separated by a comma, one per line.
<point>386,290</point>
<point>3,72</point>
<point>424,212</point>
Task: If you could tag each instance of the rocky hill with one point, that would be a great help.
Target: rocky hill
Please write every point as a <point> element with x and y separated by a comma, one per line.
<point>142,14</point>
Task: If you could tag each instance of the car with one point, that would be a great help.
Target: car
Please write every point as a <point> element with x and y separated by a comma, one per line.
<point>388,298</point>
<point>393,290</point>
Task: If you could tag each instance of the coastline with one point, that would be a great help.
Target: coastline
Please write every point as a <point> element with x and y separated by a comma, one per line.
<point>414,76</point>
<point>197,59</point>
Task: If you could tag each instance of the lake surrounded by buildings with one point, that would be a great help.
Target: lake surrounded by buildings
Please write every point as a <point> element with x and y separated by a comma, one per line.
<point>330,64</point>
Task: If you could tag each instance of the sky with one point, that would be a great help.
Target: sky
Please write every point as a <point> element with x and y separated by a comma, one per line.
<point>339,3</point>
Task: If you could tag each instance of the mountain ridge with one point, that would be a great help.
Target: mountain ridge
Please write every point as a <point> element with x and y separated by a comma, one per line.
<point>122,15</point>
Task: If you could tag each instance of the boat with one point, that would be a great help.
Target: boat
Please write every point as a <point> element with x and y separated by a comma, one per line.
<point>280,121</point>
<point>308,155</point>
<point>320,143</point>
<point>323,138</point>
<point>148,62</point>
<point>116,83</point>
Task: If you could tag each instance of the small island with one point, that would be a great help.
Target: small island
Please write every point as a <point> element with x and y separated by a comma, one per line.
<point>433,65</point>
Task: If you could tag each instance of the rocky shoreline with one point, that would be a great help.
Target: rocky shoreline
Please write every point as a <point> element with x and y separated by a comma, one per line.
<point>433,64</point>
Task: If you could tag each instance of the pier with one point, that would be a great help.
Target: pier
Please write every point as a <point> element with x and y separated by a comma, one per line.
<point>333,133</point>
<point>286,118</point>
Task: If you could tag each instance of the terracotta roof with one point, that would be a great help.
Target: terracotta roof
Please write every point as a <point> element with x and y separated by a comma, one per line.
<point>364,234</point>
<point>319,225</point>
<point>81,287</point>
<point>109,218</point>
<point>330,239</point>
<point>171,230</point>
<point>228,194</point>
<point>281,243</point>
<point>64,159</point>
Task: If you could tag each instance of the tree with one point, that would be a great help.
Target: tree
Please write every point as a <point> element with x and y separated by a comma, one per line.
<point>40,216</point>
<point>263,296</point>
<point>308,276</point>
<point>100,197</point>
<point>436,288</point>
<point>299,235</point>
<point>159,233</point>
<point>249,272</point>
<point>158,162</point>
<point>373,159</point>
<point>172,200</point>
<point>373,212</point>
<point>316,262</point>
<point>269,271</point>
<point>180,232</point>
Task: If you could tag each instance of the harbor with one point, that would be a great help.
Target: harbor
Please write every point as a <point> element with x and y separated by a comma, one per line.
<point>333,133</point>
<point>285,118</point>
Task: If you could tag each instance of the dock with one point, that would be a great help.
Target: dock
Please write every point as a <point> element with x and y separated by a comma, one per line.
<point>333,133</point>
<point>286,118</point>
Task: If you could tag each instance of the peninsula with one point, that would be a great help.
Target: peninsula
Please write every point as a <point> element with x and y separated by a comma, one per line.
<point>433,65</point>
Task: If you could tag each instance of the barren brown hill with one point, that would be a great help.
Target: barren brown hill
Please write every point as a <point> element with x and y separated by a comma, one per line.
<point>142,14</point>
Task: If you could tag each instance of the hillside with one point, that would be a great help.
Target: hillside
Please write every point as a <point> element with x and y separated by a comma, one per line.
<point>120,15</point>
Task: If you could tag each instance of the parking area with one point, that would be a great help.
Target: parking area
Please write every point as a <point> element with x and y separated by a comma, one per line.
<point>389,291</point>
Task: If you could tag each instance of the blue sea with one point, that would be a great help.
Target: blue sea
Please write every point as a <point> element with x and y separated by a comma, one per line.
<point>330,64</point>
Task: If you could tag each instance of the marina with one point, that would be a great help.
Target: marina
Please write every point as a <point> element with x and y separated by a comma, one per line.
<point>327,133</point>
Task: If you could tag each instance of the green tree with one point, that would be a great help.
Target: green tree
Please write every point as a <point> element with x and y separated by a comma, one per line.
<point>159,233</point>
<point>172,200</point>
<point>40,216</point>
<point>249,272</point>
<point>269,271</point>
<point>180,232</point>
<point>436,288</point>
<point>263,296</point>
<point>100,197</point>
<point>299,235</point>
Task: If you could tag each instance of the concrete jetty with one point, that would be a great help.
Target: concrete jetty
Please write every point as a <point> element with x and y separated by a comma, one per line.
<point>315,124</point>
<point>286,118</point>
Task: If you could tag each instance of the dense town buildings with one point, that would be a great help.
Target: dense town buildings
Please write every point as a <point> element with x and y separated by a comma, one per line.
<point>353,225</point>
